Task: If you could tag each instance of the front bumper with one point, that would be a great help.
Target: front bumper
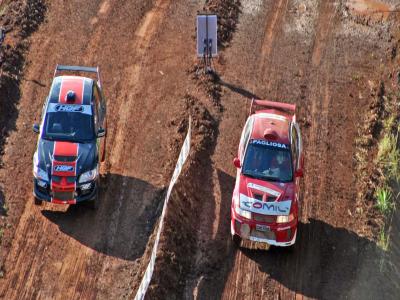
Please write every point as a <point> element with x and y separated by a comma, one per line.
<point>282,235</point>
<point>45,194</point>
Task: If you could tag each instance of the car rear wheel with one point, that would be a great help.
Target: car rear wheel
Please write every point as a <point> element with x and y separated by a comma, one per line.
<point>94,203</point>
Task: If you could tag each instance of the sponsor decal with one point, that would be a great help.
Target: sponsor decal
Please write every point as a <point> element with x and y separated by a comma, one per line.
<point>63,168</point>
<point>68,108</point>
<point>264,189</point>
<point>281,208</point>
<point>84,109</point>
<point>269,143</point>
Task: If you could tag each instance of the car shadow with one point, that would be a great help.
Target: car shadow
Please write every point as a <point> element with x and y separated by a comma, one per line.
<point>121,226</point>
<point>239,90</point>
<point>329,263</point>
<point>3,207</point>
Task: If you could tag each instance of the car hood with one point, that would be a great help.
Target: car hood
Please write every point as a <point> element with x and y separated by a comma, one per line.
<point>263,197</point>
<point>82,156</point>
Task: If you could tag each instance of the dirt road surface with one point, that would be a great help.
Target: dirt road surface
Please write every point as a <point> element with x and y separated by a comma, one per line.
<point>327,57</point>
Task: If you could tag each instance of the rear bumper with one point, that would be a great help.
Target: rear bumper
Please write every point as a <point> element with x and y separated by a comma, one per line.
<point>281,235</point>
<point>43,194</point>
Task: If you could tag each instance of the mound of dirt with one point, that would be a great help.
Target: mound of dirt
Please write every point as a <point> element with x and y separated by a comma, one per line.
<point>18,21</point>
<point>228,15</point>
<point>177,242</point>
<point>210,83</point>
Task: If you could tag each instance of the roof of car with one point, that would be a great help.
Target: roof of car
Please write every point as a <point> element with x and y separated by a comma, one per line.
<point>271,125</point>
<point>81,86</point>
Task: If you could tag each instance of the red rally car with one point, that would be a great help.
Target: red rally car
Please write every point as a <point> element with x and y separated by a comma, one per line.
<point>265,201</point>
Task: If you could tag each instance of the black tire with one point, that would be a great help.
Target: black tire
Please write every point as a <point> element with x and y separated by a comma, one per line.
<point>94,203</point>
<point>236,240</point>
<point>37,201</point>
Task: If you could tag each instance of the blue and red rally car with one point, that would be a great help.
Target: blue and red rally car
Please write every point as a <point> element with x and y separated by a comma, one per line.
<point>71,141</point>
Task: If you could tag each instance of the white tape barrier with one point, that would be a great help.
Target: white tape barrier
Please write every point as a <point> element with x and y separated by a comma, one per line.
<point>150,267</point>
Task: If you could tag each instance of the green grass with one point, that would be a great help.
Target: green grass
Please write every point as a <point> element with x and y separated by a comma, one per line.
<point>389,156</point>
<point>384,199</point>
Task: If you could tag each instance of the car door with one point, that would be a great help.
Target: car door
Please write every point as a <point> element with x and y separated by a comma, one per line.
<point>297,156</point>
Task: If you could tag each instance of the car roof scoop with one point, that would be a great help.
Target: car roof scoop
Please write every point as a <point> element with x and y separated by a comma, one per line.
<point>270,134</point>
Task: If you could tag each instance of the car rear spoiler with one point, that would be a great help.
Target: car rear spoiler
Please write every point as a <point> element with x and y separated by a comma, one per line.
<point>271,104</point>
<point>79,69</point>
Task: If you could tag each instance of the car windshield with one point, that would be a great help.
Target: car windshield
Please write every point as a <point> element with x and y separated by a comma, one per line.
<point>268,161</point>
<point>69,122</point>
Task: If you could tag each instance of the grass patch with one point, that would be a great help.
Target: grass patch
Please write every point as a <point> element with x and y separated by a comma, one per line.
<point>384,200</point>
<point>388,164</point>
<point>389,156</point>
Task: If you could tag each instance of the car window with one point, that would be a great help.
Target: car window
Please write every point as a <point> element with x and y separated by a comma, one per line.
<point>97,107</point>
<point>268,161</point>
<point>299,144</point>
<point>245,136</point>
<point>294,145</point>
<point>68,122</point>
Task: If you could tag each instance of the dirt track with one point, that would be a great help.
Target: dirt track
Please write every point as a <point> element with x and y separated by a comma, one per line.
<point>318,54</point>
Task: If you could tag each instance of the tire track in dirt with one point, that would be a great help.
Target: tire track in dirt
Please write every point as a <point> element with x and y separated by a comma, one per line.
<point>271,32</point>
<point>316,148</point>
<point>319,110</point>
<point>145,32</point>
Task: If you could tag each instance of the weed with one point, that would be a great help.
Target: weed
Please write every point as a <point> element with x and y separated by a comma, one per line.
<point>356,77</point>
<point>389,156</point>
<point>384,198</point>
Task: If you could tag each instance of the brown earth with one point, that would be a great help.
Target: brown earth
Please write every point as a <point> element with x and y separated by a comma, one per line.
<point>328,57</point>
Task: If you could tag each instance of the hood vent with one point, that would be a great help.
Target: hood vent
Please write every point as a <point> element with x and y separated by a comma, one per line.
<point>64,158</point>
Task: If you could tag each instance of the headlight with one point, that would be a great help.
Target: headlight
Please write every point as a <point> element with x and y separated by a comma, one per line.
<point>37,172</point>
<point>285,219</point>
<point>89,175</point>
<point>40,174</point>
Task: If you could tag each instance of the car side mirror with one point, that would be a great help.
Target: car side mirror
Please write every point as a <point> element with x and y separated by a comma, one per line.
<point>35,128</point>
<point>236,162</point>
<point>298,173</point>
<point>101,132</point>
